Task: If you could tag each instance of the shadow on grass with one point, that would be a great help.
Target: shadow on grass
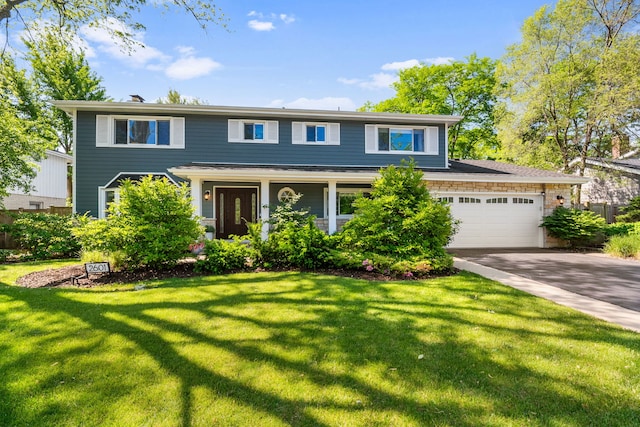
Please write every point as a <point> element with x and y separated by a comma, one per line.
<point>341,351</point>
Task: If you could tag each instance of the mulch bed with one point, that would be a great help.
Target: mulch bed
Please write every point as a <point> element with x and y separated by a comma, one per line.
<point>63,277</point>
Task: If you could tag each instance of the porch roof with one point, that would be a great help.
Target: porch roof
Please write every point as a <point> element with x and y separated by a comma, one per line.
<point>459,170</point>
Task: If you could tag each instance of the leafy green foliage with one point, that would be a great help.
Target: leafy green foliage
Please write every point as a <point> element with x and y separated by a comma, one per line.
<point>72,15</point>
<point>571,85</point>
<point>400,220</point>
<point>222,256</point>
<point>573,225</point>
<point>463,88</point>
<point>624,246</point>
<point>115,259</point>
<point>621,229</point>
<point>294,239</point>
<point>45,235</point>
<point>24,132</point>
<point>631,212</point>
<point>153,224</point>
<point>174,97</point>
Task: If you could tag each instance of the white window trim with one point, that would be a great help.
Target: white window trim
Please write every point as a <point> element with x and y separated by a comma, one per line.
<point>431,140</point>
<point>102,200</point>
<point>338,191</point>
<point>299,133</point>
<point>235,131</point>
<point>105,132</point>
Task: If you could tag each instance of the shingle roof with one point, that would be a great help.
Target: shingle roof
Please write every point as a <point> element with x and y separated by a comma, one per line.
<point>461,170</point>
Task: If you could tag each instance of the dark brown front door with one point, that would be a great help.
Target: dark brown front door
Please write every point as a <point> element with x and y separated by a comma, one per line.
<point>234,208</point>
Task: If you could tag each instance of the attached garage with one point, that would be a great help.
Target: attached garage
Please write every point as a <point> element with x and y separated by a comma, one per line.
<point>496,220</point>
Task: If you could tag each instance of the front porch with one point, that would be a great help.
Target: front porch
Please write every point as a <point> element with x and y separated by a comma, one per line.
<point>228,195</point>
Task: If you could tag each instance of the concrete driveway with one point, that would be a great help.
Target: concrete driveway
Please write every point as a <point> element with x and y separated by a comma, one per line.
<point>597,276</point>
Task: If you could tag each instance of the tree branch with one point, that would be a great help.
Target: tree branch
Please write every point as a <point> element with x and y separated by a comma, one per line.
<point>7,7</point>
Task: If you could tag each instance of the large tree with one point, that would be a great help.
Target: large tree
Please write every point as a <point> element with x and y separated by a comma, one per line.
<point>572,85</point>
<point>463,88</point>
<point>72,14</point>
<point>20,116</point>
<point>61,72</point>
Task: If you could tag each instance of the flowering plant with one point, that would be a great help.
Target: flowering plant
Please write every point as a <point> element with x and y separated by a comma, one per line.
<point>196,247</point>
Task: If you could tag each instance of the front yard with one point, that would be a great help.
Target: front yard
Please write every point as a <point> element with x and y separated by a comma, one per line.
<point>273,349</point>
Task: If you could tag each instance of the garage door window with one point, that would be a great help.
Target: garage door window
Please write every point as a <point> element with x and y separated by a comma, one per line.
<point>469,200</point>
<point>497,200</point>
<point>445,199</point>
<point>522,201</point>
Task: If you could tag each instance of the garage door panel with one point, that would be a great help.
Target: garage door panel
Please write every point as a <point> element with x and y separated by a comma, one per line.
<point>493,225</point>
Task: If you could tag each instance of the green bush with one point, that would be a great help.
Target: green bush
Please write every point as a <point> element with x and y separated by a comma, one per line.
<point>400,220</point>
<point>577,227</point>
<point>623,246</point>
<point>222,256</point>
<point>622,229</point>
<point>45,235</point>
<point>152,224</point>
<point>5,254</point>
<point>294,240</point>
<point>293,245</point>
<point>631,212</point>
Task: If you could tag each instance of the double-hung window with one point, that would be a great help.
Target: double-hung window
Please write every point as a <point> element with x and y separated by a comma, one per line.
<point>344,201</point>
<point>386,139</point>
<point>253,131</point>
<point>314,133</point>
<point>139,131</point>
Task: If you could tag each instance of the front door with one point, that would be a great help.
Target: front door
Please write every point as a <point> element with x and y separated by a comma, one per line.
<point>234,208</point>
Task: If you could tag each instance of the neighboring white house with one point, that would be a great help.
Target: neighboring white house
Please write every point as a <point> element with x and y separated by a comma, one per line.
<point>49,185</point>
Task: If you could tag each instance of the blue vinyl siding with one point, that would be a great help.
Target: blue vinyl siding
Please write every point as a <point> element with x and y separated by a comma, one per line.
<point>206,140</point>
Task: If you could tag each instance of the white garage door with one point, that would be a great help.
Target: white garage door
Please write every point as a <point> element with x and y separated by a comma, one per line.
<point>496,220</point>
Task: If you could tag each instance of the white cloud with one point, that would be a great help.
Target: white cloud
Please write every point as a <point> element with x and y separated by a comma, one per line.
<point>137,55</point>
<point>191,67</point>
<point>395,66</point>
<point>375,81</point>
<point>254,24</point>
<point>287,19</point>
<point>266,22</point>
<point>440,60</point>
<point>327,103</point>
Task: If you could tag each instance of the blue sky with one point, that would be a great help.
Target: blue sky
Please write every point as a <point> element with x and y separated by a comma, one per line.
<point>302,54</point>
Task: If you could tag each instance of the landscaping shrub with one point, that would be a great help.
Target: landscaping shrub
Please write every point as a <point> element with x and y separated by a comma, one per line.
<point>400,221</point>
<point>222,256</point>
<point>45,235</point>
<point>5,254</point>
<point>153,224</point>
<point>623,246</point>
<point>577,227</point>
<point>621,229</point>
<point>116,259</point>
<point>294,239</point>
<point>631,212</point>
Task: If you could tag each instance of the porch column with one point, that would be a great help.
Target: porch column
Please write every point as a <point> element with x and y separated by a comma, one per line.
<point>333,226</point>
<point>264,207</point>
<point>196,195</point>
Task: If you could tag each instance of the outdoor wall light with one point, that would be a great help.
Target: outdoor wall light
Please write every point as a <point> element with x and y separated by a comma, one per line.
<point>207,195</point>
<point>560,200</point>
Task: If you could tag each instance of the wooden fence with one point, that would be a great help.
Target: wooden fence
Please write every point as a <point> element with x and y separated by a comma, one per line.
<point>6,241</point>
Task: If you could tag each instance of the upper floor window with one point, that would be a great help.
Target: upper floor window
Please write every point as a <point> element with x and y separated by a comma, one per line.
<point>255,131</point>
<point>139,131</point>
<point>401,139</point>
<point>315,133</point>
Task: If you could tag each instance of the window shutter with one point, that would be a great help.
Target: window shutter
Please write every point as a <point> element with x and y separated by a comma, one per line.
<point>234,130</point>
<point>297,133</point>
<point>271,132</point>
<point>103,131</point>
<point>431,143</point>
<point>177,132</point>
<point>333,131</point>
<point>370,139</point>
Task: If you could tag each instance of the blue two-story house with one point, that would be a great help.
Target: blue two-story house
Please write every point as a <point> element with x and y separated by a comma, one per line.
<point>240,161</point>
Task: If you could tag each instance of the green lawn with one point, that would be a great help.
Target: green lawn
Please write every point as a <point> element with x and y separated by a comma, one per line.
<point>275,349</point>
